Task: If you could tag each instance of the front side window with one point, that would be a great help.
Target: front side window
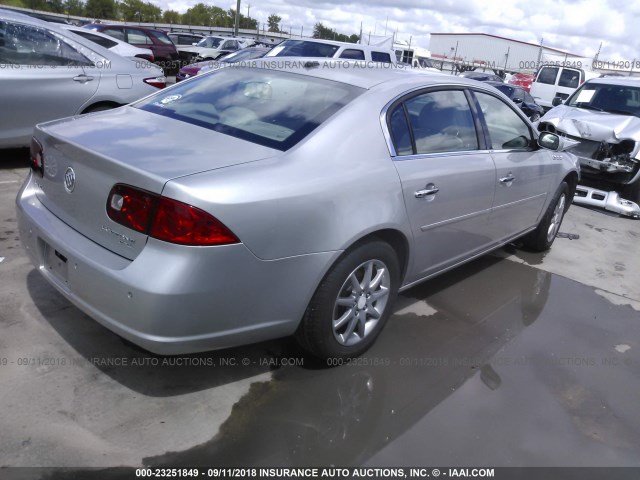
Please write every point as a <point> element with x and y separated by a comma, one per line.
<point>28,45</point>
<point>548,75</point>
<point>507,130</point>
<point>271,108</point>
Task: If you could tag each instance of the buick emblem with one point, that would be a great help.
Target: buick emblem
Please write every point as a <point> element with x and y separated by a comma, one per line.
<point>69,180</point>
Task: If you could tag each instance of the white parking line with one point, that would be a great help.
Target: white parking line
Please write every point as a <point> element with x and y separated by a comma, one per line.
<point>9,181</point>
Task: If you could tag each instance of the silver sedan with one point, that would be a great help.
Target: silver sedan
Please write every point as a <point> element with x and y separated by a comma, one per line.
<point>48,72</point>
<point>293,198</point>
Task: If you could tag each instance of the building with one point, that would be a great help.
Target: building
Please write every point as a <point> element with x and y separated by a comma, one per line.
<point>469,51</point>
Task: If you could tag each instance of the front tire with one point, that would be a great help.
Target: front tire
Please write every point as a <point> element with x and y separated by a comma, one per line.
<point>352,303</point>
<point>542,237</point>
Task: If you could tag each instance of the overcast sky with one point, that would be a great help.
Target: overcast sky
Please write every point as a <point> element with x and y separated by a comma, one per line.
<point>576,26</point>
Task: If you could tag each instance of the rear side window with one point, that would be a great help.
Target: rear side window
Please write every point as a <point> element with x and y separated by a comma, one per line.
<point>352,54</point>
<point>400,134</point>
<point>569,78</point>
<point>139,37</point>
<point>271,108</point>
<point>104,42</point>
<point>161,36</point>
<point>439,121</point>
<point>303,48</point>
<point>380,57</point>
<point>114,32</point>
<point>506,129</point>
<point>548,75</point>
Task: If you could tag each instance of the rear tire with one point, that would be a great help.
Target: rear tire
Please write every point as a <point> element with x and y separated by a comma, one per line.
<point>352,303</point>
<point>542,237</point>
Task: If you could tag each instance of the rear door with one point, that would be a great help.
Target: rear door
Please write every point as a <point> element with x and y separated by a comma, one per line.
<point>524,172</point>
<point>44,78</point>
<point>448,178</point>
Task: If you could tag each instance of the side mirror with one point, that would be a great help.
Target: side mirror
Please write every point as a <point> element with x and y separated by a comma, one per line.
<point>517,100</point>
<point>194,44</point>
<point>548,140</point>
<point>556,101</point>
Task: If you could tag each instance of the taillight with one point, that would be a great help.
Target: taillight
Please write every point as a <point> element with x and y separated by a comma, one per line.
<point>158,82</point>
<point>36,156</point>
<point>165,218</point>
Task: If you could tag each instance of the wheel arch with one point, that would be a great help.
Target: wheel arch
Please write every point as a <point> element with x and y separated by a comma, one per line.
<point>103,103</point>
<point>572,181</point>
<point>398,241</point>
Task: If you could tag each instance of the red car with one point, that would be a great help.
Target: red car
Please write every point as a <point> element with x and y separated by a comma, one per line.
<point>522,80</point>
<point>158,42</point>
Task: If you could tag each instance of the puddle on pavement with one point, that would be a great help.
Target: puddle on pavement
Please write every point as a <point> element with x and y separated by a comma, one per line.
<point>504,357</point>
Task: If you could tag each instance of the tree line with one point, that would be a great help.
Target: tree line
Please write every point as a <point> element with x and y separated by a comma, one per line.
<point>146,12</point>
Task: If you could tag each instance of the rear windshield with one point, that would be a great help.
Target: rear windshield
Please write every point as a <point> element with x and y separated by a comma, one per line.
<point>303,48</point>
<point>271,108</point>
<point>209,42</point>
<point>161,36</point>
<point>619,99</point>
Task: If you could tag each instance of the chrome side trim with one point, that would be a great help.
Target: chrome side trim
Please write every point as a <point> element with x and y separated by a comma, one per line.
<point>517,202</point>
<point>454,220</point>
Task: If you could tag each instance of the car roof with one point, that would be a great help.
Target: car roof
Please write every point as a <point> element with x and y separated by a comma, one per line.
<point>359,73</point>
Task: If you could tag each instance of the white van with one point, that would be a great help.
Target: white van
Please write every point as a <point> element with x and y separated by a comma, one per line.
<point>330,49</point>
<point>552,81</point>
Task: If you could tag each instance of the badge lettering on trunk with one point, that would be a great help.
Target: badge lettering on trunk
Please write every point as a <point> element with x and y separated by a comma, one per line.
<point>69,180</point>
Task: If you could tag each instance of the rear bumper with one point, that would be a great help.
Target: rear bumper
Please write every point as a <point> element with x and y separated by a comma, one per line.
<point>171,299</point>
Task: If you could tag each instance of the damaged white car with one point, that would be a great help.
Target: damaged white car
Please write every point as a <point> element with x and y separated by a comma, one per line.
<point>603,115</point>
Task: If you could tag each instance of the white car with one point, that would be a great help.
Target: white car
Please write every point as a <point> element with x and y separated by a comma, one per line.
<point>213,47</point>
<point>49,73</point>
<point>117,46</point>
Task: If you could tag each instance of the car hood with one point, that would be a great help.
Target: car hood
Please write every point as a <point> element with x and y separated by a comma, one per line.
<point>593,125</point>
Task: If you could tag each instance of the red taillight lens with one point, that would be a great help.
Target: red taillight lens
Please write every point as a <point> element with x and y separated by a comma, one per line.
<point>36,156</point>
<point>177,222</point>
<point>131,207</point>
<point>166,219</point>
<point>158,82</point>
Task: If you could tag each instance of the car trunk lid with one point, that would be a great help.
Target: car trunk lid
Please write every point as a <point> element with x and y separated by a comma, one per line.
<point>84,157</point>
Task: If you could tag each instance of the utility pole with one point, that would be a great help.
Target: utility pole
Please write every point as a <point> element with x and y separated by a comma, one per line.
<point>385,26</point>
<point>248,8</point>
<point>506,58</point>
<point>539,54</point>
<point>237,24</point>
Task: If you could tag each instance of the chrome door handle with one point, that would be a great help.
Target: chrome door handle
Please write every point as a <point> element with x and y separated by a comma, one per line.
<point>82,78</point>
<point>508,179</point>
<point>430,190</point>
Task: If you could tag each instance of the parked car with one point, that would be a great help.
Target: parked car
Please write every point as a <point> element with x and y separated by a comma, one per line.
<point>180,39</point>
<point>603,115</point>
<point>164,51</point>
<point>331,49</point>
<point>211,48</point>
<point>521,98</point>
<point>49,72</point>
<point>522,80</point>
<point>243,55</point>
<point>117,46</point>
<point>557,81</point>
<point>481,76</point>
<point>275,222</point>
